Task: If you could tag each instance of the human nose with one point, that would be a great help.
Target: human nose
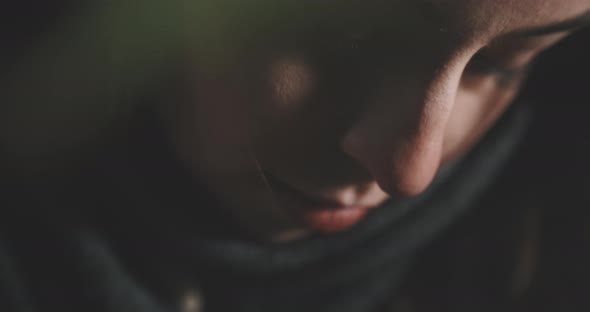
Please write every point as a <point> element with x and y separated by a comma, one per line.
<point>399,139</point>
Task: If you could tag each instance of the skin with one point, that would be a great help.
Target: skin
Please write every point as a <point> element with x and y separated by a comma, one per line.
<point>355,103</point>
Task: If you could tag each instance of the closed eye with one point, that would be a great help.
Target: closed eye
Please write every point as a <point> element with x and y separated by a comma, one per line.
<point>483,65</point>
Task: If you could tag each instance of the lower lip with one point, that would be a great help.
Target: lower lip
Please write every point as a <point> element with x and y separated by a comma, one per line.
<point>318,216</point>
<point>331,219</point>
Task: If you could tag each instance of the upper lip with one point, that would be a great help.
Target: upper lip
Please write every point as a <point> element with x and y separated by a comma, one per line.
<point>312,199</point>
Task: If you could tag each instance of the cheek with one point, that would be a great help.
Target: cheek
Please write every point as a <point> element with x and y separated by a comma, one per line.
<point>476,108</point>
<point>290,81</point>
<point>282,88</point>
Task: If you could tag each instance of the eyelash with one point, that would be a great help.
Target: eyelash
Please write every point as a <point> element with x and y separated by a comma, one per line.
<point>480,64</point>
<point>483,65</point>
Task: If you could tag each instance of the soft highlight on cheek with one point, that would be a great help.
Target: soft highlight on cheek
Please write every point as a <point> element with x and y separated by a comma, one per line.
<point>291,80</point>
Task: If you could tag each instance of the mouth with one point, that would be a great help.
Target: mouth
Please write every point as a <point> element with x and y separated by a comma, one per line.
<point>317,214</point>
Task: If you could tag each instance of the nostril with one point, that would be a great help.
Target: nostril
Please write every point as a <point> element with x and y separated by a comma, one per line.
<point>410,187</point>
<point>400,169</point>
<point>368,155</point>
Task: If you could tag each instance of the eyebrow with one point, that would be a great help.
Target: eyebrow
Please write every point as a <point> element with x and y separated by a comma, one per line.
<point>570,24</point>
<point>433,13</point>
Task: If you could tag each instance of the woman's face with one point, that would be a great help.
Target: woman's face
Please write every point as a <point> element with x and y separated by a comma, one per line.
<point>320,110</point>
